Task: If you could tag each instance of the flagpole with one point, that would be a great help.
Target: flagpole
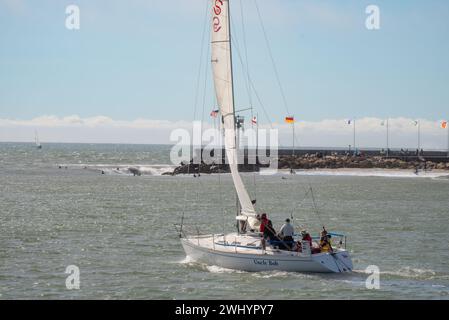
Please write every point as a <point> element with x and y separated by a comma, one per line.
<point>447,125</point>
<point>388,137</point>
<point>257,136</point>
<point>419,136</point>
<point>355,149</point>
<point>293,130</point>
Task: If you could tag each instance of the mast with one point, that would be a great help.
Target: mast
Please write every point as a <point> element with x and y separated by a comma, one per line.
<point>237,136</point>
<point>224,89</point>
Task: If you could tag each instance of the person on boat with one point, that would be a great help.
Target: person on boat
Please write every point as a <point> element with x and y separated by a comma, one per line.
<point>323,233</point>
<point>268,233</point>
<point>287,231</point>
<point>263,222</point>
<point>325,244</point>
<point>306,237</point>
<point>286,234</point>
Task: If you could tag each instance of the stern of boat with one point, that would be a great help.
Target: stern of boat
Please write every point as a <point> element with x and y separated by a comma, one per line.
<point>337,262</point>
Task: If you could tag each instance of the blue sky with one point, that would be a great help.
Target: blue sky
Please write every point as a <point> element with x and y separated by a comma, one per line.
<point>139,59</point>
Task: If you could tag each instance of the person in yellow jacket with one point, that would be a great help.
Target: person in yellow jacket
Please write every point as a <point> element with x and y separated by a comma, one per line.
<point>325,243</point>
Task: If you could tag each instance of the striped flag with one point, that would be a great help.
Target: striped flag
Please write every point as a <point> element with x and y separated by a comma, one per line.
<point>444,124</point>
<point>214,113</point>
<point>290,119</point>
<point>254,120</point>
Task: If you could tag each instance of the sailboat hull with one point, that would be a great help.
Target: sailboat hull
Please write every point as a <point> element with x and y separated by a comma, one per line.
<point>257,260</point>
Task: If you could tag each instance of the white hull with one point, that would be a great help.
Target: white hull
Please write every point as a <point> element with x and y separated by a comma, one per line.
<point>254,259</point>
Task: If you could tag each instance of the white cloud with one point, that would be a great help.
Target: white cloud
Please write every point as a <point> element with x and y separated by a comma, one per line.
<point>324,133</point>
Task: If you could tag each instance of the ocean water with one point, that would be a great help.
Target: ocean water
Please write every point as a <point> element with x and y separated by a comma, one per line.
<point>58,209</point>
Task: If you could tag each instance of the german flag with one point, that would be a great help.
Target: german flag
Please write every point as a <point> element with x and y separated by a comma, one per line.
<point>289,119</point>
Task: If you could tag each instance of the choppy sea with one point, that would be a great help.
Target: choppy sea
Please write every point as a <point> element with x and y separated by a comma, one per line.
<point>57,209</point>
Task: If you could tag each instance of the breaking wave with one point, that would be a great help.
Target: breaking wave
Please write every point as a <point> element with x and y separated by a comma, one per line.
<point>132,170</point>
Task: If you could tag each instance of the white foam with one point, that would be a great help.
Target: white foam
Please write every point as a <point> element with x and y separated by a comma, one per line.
<point>123,169</point>
<point>392,173</point>
<point>217,269</point>
<point>405,272</point>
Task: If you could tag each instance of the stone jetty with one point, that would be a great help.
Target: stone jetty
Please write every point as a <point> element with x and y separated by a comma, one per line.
<point>329,159</point>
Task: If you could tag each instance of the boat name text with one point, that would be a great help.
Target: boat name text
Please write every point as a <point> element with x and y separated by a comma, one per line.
<point>266,262</point>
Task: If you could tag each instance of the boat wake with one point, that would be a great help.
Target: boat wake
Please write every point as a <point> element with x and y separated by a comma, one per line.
<point>412,273</point>
<point>209,268</point>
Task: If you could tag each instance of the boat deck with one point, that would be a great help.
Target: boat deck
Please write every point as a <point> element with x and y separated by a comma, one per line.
<point>238,243</point>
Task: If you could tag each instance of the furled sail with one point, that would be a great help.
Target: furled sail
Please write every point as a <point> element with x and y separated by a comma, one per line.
<point>222,74</point>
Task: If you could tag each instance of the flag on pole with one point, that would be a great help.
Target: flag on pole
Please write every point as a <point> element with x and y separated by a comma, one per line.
<point>289,119</point>
<point>444,124</point>
<point>214,113</point>
<point>254,120</point>
<point>349,121</point>
<point>415,123</point>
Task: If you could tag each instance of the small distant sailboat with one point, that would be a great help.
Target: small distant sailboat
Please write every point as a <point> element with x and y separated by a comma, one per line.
<point>36,139</point>
<point>243,250</point>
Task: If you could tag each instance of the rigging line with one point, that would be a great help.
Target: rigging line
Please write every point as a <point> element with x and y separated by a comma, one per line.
<point>223,212</point>
<point>245,47</point>
<point>206,73</point>
<point>198,84</point>
<point>206,14</point>
<point>271,56</point>
<point>315,206</point>
<point>235,45</point>
<point>250,99</point>
<point>300,204</point>
<point>206,11</point>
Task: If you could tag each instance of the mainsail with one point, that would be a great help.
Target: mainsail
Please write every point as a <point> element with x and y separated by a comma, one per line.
<point>222,74</point>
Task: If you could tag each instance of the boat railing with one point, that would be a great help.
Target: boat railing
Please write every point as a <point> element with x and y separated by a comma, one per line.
<point>338,240</point>
<point>195,233</point>
<point>189,231</point>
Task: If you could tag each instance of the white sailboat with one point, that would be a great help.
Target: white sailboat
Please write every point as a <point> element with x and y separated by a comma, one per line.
<point>243,250</point>
<point>36,140</point>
